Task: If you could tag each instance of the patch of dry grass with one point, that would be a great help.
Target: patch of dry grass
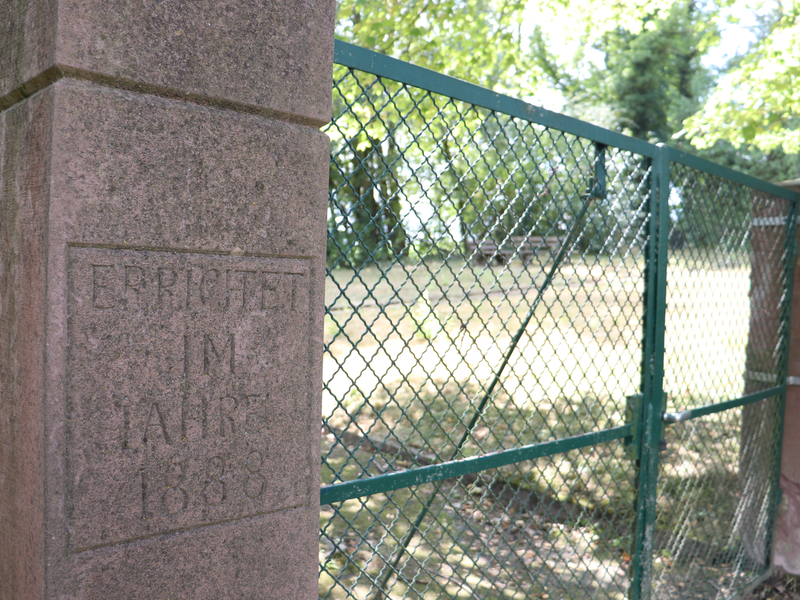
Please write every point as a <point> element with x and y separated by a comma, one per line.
<point>411,352</point>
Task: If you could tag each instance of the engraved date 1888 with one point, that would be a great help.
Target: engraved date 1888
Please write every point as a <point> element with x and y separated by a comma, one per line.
<point>171,491</point>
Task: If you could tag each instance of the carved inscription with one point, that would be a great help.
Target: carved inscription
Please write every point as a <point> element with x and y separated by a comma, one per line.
<point>187,390</point>
<point>133,287</point>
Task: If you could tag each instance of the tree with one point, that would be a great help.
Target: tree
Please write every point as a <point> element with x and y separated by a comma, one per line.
<point>649,80</point>
<point>476,40</point>
<point>758,101</point>
<point>634,64</point>
<point>376,138</point>
<point>364,214</point>
<point>465,167</point>
<point>643,81</point>
<point>654,75</point>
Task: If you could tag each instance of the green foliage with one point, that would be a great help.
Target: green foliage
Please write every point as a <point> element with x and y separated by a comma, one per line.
<point>775,165</point>
<point>648,78</point>
<point>757,101</point>
<point>654,74</point>
<point>417,175</point>
<point>365,212</point>
<point>476,40</point>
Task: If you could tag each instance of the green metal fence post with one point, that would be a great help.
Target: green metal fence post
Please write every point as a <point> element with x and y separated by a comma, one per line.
<point>650,426</point>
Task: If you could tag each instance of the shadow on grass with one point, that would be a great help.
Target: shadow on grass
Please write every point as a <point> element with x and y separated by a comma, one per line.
<point>557,527</point>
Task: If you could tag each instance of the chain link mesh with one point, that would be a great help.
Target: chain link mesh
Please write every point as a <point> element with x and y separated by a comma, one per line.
<point>727,301</point>
<point>445,220</point>
<point>713,509</point>
<point>725,285</point>
<point>490,536</point>
<point>485,289</point>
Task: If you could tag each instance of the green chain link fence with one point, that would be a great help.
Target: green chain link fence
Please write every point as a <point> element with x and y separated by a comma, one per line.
<point>512,296</point>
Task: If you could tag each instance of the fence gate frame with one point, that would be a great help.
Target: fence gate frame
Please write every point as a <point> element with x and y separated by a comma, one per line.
<point>648,412</point>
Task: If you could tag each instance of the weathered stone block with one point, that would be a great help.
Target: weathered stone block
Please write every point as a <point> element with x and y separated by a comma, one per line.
<point>25,142</point>
<point>161,341</point>
<point>187,404</point>
<point>275,58</point>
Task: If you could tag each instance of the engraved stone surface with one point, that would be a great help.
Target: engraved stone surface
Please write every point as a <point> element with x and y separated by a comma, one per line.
<point>162,259</point>
<point>161,341</point>
<point>181,381</point>
<point>176,205</point>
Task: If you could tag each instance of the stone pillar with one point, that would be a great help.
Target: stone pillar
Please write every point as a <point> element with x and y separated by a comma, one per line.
<point>787,536</point>
<point>162,228</point>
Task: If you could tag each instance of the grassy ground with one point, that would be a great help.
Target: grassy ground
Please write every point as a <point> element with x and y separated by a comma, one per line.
<point>411,354</point>
<point>491,534</point>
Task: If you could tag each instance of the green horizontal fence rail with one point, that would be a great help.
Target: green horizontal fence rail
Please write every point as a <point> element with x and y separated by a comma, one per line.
<point>555,356</point>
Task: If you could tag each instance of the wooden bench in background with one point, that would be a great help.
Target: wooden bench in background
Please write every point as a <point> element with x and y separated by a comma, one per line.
<point>522,246</point>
